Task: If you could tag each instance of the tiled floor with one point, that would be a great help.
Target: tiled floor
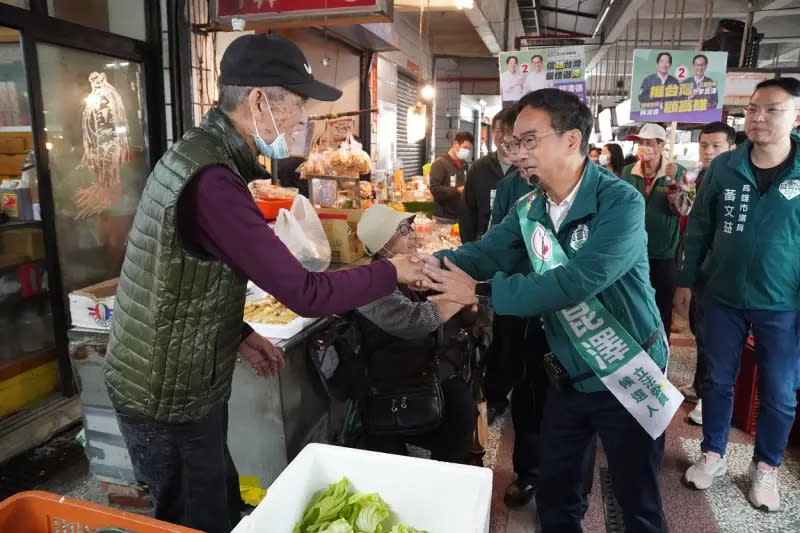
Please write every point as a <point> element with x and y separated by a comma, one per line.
<point>722,509</point>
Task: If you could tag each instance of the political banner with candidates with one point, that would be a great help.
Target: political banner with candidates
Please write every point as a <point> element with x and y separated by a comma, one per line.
<point>525,71</point>
<point>678,85</point>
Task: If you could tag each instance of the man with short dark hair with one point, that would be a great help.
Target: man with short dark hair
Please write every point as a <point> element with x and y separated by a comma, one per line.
<point>449,175</point>
<point>480,188</point>
<point>654,86</point>
<point>536,78</point>
<point>583,233</point>
<point>701,86</point>
<point>744,236</point>
<point>716,138</point>
<point>511,82</point>
<point>197,238</point>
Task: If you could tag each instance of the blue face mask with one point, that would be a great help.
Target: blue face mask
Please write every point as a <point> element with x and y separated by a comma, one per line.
<point>278,149</point>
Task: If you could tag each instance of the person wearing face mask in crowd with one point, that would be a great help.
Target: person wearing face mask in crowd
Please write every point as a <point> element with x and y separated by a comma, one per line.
<point>594,154</point>
<point>448,177</point>
<point>399,342</point>
<point>197,238</point>
<point>611,157</point>
<point>655,179</point>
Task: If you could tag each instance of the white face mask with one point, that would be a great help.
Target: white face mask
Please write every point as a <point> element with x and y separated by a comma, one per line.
<point>604,159</point>
<point>463,153</point>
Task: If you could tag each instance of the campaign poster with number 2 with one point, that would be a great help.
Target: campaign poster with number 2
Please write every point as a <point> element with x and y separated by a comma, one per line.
<point>678,85</point>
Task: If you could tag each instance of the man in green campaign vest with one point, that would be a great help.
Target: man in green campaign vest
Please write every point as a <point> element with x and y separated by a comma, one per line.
<point>744,239</point>
<point>655,178</point>
<point>583,232</point>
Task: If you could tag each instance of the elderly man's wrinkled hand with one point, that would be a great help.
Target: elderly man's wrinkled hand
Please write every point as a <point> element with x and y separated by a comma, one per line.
<point>263,356</point>
<point>453,285</point>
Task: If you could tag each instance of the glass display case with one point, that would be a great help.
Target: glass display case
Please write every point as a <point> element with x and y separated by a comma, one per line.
<point>334,191</point>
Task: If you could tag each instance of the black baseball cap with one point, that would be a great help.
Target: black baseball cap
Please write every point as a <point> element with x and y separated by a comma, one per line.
<point>262,60</point>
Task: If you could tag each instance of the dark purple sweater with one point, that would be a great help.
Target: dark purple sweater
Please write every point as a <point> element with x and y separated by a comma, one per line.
<point>217,216</point>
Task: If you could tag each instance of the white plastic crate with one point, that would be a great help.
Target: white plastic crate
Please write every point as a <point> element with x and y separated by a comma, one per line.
<point>430,495</point>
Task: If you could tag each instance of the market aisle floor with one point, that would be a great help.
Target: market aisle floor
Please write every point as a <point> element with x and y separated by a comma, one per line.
<point>722,509</point>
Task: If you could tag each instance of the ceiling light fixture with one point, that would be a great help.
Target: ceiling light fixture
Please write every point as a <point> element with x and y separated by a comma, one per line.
<point>463,4</point>
<point>428,92</point>
<point>599,24</point>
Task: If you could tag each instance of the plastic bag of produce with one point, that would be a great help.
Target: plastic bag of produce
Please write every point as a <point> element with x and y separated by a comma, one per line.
<point>301,231</point>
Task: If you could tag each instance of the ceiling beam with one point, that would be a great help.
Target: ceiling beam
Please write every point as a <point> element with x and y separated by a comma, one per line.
<point>775,5</point>
<point>760,14</point>
<point>614,32</point>
<point>569,12</point>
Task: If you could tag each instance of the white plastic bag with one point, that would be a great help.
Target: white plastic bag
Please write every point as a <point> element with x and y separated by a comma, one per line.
<point>301,231</point>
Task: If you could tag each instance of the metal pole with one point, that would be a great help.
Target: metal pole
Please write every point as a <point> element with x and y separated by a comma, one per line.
<point>616,72</point>
<point>663,24</point>
<point>703,24</point>
<point>674,22</point>
<point>680,24</point>
<point>627,57</point>
<point>650,23</point>
<point>745,38</point>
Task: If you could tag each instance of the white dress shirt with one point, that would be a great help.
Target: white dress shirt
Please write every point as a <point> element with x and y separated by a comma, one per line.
<point>535,81</point>
<point>558,212</point>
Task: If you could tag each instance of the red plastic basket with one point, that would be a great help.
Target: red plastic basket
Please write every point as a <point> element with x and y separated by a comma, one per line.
<point>42,512</point>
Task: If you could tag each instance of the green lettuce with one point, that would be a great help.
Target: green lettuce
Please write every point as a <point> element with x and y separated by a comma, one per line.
<point>340,526</point>
<point>336,510</point>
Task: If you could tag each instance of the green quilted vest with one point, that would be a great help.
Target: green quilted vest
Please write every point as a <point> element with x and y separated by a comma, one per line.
<point>177,322</point>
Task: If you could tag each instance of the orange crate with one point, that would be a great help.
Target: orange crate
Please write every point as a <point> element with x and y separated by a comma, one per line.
<point>42,512</point>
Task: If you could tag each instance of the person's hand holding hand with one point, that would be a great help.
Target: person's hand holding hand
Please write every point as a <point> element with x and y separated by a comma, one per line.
<point>409,269</point>
<point>262,355</point>
<point>681,301</point>
<point>454,285</point>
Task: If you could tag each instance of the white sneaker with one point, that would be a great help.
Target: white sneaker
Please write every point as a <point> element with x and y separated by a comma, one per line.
<point>696,416</point>
<point>701,474</point>
<point>764,491</point>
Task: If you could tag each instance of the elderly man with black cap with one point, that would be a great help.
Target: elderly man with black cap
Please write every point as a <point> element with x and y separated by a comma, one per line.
<point>197,238</point>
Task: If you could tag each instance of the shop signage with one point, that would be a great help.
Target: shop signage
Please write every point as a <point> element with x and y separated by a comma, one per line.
<point>678,85</point>
<point>285,11</point>
<point>539,68</point>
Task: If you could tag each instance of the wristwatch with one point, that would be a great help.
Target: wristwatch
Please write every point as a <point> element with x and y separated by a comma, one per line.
<point>483,290</point>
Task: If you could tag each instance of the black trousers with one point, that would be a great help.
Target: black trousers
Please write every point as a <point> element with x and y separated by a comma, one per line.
<point>696,314</point>
<point>521,347</point>
<point>192,478</point>
<point>662,278</point>
<point>452,441</point>
<point>570,424</point>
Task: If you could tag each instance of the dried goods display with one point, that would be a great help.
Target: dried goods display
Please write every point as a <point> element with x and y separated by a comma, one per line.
<point>268,311</point>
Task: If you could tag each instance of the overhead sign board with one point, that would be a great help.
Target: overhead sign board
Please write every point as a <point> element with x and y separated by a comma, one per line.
<point>308,12</point>
<point>678,85</point>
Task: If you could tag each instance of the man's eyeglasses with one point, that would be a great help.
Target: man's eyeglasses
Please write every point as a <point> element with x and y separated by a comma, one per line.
<point>406,228</point>
<point>768,110</point>
<point>529,141</point>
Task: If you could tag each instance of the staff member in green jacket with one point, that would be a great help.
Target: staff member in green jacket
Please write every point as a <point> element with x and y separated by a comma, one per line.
<point>480,189</point>
<point>584,235</point>
<point>745,232</point>
<point>656,178</point>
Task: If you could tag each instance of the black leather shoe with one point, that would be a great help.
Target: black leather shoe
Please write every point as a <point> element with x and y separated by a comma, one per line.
<point>519,494</point>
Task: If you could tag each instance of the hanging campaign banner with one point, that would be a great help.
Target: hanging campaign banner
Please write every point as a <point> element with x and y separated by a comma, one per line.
<point>678,85</point>
<point>530,70</point>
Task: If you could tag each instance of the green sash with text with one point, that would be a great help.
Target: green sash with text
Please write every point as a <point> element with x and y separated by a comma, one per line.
<point>613,355</point>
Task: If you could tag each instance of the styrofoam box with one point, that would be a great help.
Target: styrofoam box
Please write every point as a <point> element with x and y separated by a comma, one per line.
<point>430,495</point>
<point>93,306</point>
